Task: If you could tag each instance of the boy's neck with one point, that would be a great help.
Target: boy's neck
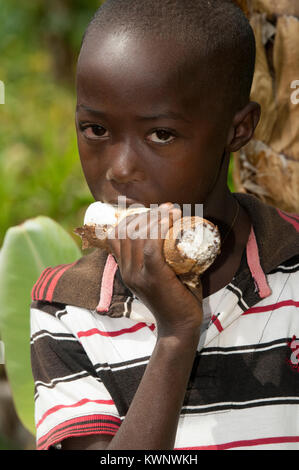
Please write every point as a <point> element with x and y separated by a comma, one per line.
<point>234,225</point>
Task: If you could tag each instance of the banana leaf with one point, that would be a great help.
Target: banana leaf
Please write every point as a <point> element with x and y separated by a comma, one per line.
<point>27,250</point>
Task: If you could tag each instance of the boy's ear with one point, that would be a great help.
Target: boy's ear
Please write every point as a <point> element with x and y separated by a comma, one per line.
<point>243,126</point>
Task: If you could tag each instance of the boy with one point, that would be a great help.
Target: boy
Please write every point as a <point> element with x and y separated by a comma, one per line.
<point>124,355</point>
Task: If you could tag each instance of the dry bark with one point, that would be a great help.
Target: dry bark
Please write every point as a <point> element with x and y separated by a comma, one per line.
<point>268,166</point>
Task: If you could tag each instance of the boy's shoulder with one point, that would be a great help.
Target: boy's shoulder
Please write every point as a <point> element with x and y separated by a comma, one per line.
<point>94,282</point>
<point>89,283</point>
<point>276,232</point>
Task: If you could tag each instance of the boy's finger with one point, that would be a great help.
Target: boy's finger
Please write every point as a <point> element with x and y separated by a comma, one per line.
<point>138,226</point>
<point>120,230</point>
<point>136,254</point>
<point>153,249</point>
<point>168,220</point>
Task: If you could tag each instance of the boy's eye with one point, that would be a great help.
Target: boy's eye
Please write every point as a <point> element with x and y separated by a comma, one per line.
<point>93,131</point>
<point>162,136</point>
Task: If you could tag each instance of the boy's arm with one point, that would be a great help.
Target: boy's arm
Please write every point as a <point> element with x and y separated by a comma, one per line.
<point>152,419</point>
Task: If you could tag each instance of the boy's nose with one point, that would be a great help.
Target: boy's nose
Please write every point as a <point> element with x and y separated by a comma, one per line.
<point>123,166</point>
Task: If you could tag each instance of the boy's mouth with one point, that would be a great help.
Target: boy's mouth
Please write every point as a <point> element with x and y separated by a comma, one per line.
<point>123,202</point>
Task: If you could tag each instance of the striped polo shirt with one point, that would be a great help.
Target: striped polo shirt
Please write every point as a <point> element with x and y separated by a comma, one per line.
<point>91,340</point>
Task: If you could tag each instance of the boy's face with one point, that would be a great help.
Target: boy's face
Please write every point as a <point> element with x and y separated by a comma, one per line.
<point>143,131</point>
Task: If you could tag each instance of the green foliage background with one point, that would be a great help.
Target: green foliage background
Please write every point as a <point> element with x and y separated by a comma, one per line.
<point>40,171</point>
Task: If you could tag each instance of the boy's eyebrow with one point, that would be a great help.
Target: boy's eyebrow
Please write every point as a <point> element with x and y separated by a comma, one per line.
<point>167,115</point>
<point>90,110</point>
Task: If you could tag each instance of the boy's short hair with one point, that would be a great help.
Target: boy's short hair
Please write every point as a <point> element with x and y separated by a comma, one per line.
<point>215,33</point>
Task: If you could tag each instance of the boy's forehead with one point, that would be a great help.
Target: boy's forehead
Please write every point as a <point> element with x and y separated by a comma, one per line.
<point>147,66</point>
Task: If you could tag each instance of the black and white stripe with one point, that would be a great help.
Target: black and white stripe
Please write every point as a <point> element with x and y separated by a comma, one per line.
<point>239,294</point>
<point>289,266</point>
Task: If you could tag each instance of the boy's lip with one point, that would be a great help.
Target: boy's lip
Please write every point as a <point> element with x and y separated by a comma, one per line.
<point>124,202</point>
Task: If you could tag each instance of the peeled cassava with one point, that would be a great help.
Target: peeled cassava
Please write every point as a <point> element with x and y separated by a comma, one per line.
<point>190,246</point>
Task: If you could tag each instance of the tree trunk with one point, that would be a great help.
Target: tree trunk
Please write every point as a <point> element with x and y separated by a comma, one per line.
<point>268,166</point>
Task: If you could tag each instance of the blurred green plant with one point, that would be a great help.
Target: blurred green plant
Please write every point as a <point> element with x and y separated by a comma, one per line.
<point>40,170</point>
<point>27,250</point>
<point>7,444</point>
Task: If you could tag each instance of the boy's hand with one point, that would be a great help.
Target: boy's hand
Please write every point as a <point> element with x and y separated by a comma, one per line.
<point>145,272</point>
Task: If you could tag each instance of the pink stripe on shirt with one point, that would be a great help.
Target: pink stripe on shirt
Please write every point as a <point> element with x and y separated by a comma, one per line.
<point>269,308</point>
<point>289,218</point>
<point>73,405</point>
<point>254,264</point>
<point>107,284</point>
<point>96,331</point>
<point>246,443</point>
<point>54,281</point>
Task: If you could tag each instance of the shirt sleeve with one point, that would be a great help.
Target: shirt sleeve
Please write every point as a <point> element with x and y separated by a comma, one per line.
<point>70,398</point>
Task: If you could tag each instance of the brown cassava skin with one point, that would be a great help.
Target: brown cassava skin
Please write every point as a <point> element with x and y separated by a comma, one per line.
<point>180,263</point>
